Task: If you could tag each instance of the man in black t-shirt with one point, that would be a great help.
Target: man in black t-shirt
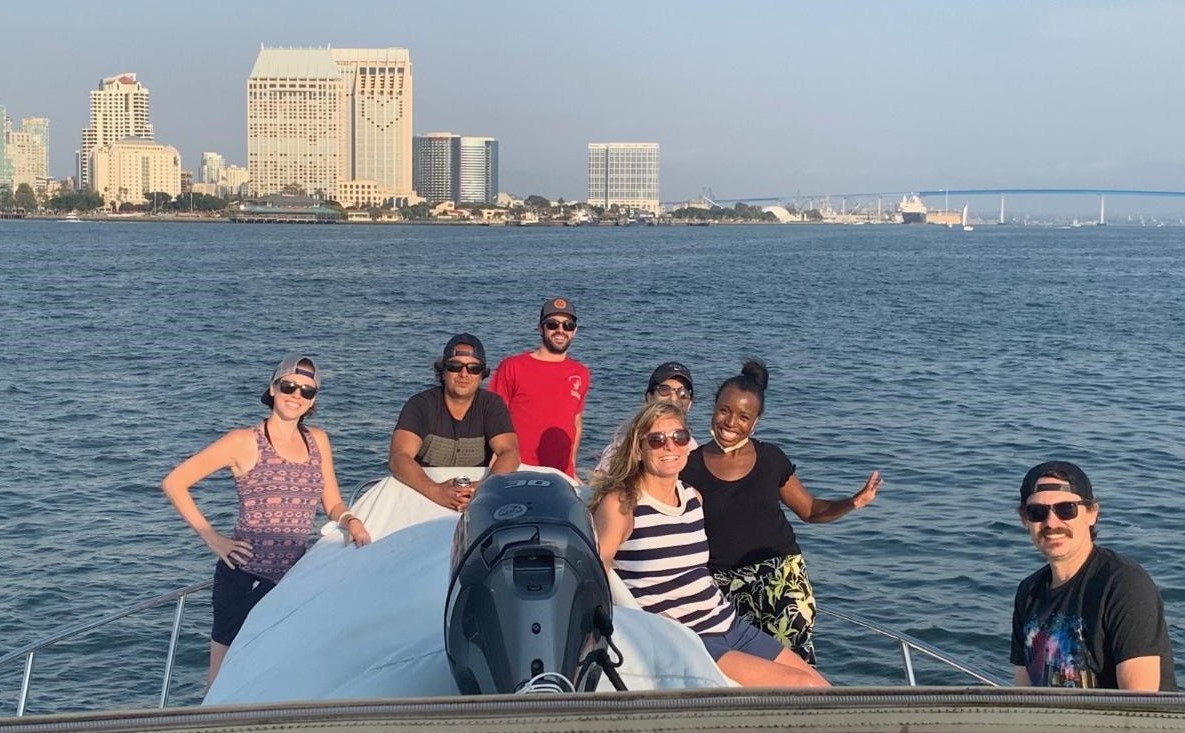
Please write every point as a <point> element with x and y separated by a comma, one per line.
<point>1090,618</point>
<point>454,424</point>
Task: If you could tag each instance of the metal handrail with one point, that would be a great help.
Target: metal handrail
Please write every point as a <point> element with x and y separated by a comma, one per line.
<point>908,642</point>
<point>29,651</point>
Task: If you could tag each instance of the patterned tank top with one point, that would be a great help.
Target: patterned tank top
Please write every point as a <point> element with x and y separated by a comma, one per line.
<point>278,501</point>
<point>664,563</point>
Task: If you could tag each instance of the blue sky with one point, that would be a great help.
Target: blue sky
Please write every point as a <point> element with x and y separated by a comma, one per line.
<point>746,98</point>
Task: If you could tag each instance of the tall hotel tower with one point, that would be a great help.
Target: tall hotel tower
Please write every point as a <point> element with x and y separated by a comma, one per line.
<point>320,117</point>
<point>455,168</point>
<point>625,174</point>
<point>119,110</point>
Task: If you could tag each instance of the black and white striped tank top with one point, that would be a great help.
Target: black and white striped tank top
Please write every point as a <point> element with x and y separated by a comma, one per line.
<point>664,563</point>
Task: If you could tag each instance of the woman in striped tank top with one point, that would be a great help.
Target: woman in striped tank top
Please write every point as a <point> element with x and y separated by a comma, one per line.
<point>650,530</point>
<point>282,469</point>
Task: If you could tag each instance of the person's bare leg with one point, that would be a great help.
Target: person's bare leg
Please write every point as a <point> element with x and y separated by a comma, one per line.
<point>787,670</point>
<point>217,653</point>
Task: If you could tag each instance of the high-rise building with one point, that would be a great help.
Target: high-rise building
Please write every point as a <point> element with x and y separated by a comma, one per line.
<point>450,167</point>
<point>210,171</point>
<point>125,170</point>
<point>479,170</point>
<point>119,110</point>
<point>320,116</point>
<point>377,84</point>
<point>28,152</point>
<point>437,169</point>
<point>5,163</point>
<point>625,174</point>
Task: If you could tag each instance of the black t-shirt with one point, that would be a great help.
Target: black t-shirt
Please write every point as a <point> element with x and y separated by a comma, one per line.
<point>743,519</point>
<point>449,442</point>
<point>1075,635</point>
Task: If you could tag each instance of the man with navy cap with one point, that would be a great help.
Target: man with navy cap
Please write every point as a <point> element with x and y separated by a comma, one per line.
<point>456,423</point>
<point>1091,617</point>
<point>545,390</point>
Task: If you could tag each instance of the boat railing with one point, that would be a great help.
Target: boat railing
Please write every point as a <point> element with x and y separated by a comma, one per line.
<point>178,597</point>
<point>909,644</point>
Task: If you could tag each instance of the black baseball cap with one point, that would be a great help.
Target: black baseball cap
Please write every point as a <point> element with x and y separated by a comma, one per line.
<point>670,370</point>
<point>465,344</point>
<point>1062,470</point>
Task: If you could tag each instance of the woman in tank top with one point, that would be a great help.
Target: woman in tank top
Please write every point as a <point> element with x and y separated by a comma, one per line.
<point>754,555</point>
<point>650,530</point>
<point>282,470</point>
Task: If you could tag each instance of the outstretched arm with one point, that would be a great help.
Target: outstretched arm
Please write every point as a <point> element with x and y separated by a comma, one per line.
<point>812,509</point>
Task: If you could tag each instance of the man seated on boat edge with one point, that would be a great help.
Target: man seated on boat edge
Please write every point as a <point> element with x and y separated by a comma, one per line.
<point>456,423</point>
<point>650,532</point>
<point>1090,618</point>
<point>670,381</point>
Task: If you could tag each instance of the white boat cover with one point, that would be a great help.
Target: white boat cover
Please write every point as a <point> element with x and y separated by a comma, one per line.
<point>349,623</point>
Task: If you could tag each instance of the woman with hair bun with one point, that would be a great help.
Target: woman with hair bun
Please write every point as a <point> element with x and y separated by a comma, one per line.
<point>753,553</point>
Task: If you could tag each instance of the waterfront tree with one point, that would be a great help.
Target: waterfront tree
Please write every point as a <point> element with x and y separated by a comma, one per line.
<point>25,198</point>
<point>537,202</point>
<point>6,200</point>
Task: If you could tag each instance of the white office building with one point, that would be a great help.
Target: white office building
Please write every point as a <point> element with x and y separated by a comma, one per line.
<point>625,174</point>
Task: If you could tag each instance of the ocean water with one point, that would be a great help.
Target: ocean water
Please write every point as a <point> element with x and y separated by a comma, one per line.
<point>951,361</point>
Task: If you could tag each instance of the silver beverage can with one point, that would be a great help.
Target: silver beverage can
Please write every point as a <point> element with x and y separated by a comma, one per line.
<point>461,482</point>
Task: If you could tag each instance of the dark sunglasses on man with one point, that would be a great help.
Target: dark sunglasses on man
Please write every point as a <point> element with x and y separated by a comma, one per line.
<point>1064,510</point>
<point>552,324</point>
<point>455,367</point>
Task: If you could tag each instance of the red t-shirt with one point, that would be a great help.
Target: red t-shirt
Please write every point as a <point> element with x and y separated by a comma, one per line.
<point>544,398</point>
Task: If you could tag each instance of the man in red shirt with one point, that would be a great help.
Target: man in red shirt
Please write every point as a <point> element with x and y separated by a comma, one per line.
<point>545,391</point>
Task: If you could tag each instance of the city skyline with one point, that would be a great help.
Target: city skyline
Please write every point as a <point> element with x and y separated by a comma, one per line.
<point>752,99</point>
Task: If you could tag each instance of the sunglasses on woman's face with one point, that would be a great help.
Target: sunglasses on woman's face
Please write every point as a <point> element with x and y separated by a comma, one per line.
<point>1064,510</point>
<point>455,367</point>
<point>288,387</point>
<point>552,324</point>
<point>656,440</point>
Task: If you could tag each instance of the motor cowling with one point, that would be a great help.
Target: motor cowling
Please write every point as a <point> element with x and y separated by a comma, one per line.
<point>528,598</point>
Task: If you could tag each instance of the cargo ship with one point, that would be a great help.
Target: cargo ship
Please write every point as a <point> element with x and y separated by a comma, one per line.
<point>913,211</point>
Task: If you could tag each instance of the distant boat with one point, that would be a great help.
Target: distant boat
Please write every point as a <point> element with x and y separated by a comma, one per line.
<point>966,227</point>
<point>72,216</point>
<point>913,211</point>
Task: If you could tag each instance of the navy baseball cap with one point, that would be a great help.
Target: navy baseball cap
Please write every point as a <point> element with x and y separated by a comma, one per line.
<point>1061,470</point>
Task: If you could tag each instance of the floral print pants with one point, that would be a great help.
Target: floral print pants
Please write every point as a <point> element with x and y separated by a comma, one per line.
<point>776,596</point>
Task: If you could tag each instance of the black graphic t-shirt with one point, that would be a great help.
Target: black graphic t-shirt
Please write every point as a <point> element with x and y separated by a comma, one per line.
<point>1076,634</point>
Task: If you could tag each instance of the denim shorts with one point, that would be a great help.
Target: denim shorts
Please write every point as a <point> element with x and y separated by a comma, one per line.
<point>742,637</point>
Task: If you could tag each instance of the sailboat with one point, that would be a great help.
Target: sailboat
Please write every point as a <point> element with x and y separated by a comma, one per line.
<point>966,227</point>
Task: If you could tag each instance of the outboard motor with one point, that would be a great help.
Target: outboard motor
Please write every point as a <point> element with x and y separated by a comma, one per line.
<point>528,606</point>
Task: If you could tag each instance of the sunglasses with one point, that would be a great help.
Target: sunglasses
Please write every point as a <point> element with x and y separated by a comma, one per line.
<point>455,367</point>
<point>666,390</point>
<point>288,387</point>
<point>1065,510</point>
<point>552,324</point>
<point>656,440</point>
